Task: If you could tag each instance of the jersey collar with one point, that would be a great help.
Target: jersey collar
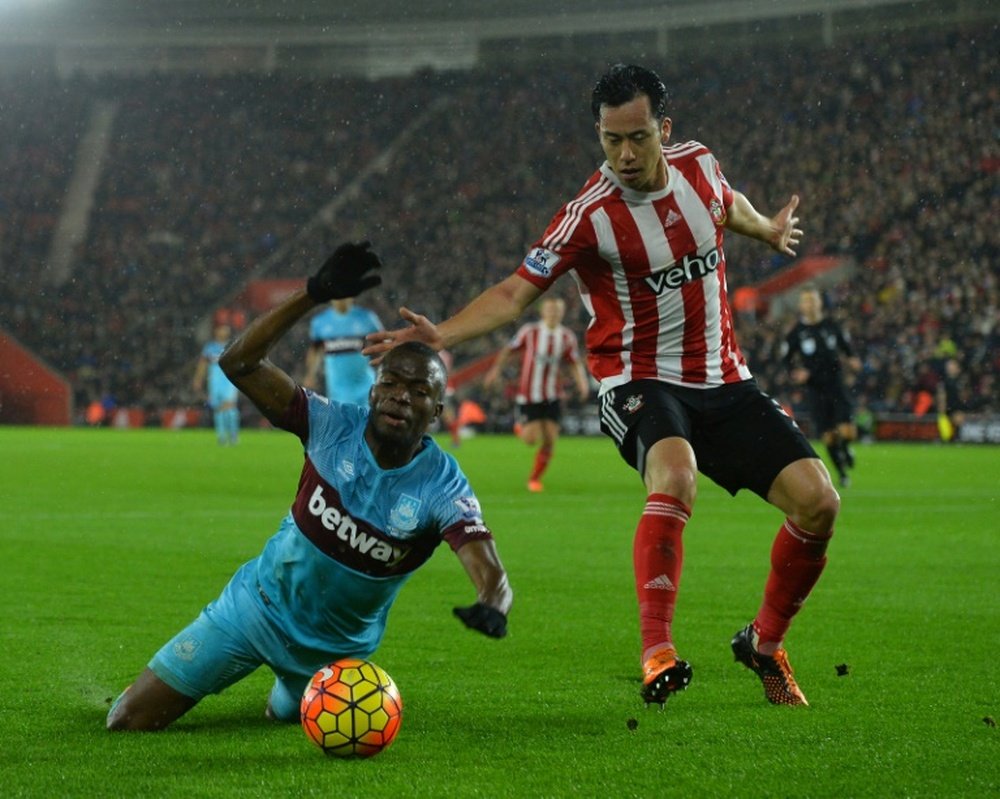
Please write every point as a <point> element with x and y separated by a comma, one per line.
<point>639,197</point>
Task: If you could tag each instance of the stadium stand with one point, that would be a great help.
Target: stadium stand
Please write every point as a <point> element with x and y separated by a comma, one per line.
<point>211,181</point>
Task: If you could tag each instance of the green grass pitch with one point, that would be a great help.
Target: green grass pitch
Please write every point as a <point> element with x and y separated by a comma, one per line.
<point>110,541</point>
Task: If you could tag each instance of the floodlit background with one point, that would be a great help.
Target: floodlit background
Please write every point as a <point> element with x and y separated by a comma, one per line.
<point>166,164</point>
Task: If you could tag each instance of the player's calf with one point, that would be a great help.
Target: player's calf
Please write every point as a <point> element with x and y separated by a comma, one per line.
<point>147,705</point>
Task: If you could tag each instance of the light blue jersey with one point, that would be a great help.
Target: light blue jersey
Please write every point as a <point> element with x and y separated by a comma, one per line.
<point>220,389</point>
<point>356,531</point>
<point>349,376</point>
<point>323,585</point>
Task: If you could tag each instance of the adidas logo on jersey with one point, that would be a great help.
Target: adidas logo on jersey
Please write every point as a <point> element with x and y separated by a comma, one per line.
<point>345,528</point>
<point>672,218</point>
<point>662,583</point>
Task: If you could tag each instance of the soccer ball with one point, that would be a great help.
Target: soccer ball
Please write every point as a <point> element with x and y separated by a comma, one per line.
<point>351,708</point>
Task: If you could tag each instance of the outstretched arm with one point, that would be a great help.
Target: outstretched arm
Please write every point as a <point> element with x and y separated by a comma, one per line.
<point>314,356</point>
<point>493,592</point>
<point>582,384</point>
<point>198,381</point>
<point>501,303</point>
<point>245,360</point>
<point>496,368</point>
<point>779,231</point>
<point>351,269</point>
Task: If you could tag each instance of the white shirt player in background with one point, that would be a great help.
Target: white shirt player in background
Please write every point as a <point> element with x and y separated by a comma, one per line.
<point>547,348</point>
<point>643,240</point>
<point>337,335</point>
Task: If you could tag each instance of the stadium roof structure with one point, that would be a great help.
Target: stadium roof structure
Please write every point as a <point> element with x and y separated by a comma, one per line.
<point>41,19</point>
<point>400,36</point>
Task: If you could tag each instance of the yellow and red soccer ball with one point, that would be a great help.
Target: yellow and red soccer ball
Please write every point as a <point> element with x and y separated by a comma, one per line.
<point>351,708</point>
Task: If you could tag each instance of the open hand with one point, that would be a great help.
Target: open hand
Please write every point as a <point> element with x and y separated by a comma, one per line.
<point>421,329</point>
<point>784,223</point>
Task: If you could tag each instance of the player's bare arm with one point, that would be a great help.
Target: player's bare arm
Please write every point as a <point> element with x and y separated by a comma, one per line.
<point>501,303</point>
<point>314,356</point>
<point>582,383</point>
<point>350,270</point>
<point>493,592</point>
<point>198,381</point>
<point>245,360</point>
<point>779,231</point>
<point>497,366</point>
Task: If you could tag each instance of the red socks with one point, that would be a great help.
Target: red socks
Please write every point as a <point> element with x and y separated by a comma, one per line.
<point>657,556</point>
<point>542,458</point>
<point>797,560</point>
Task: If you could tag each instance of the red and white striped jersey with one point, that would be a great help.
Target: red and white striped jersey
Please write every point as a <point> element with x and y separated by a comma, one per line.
<point>652,273</point>
<point>544,351</point>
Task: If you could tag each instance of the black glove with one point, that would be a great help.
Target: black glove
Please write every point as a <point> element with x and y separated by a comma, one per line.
<point>350,270</point>
<point>488,620</point>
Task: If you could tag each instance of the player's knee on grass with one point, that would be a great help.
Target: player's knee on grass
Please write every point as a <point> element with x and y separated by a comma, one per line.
<point>128,715</point>
<point>284,701</point>
<point>148,704</point>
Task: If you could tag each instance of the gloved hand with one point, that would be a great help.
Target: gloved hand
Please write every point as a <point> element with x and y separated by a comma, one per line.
<point>350,270</point>
<point>484,618</point>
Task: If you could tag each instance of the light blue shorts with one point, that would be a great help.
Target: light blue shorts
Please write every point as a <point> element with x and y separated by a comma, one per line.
<point>232,637</point>
<point>222,395</point>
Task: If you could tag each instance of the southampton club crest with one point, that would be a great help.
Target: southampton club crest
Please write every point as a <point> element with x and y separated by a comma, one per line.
<point>403,516</point>
<point>717,212</point>
<point>633,403</point>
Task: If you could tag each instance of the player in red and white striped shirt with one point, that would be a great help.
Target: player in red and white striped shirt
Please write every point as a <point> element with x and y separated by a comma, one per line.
<point>643,241</point>
<point>546,346</point>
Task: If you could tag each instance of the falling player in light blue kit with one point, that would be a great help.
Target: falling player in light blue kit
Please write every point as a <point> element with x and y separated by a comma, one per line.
<point>223,396</point>
<point>337,335</point>
<point>375,498</point>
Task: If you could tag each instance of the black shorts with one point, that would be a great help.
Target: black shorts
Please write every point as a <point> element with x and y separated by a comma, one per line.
<point>741,437</point>
<point>534,411</point>
<point>830,406</point>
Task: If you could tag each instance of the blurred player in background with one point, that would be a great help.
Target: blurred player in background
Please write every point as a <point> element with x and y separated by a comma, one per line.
<point>546,346</point>
<point>449,414</point>
<point>223,396</point>
<point>812,350</point>
<point>643,241</point>
<point>375,498</point>
<point>337,336</point>
<point>952,400</point>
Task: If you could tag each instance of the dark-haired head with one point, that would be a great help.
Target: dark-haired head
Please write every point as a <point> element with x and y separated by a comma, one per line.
<point>625,82</point>
<point>406,399</point>
<point>436,365</point>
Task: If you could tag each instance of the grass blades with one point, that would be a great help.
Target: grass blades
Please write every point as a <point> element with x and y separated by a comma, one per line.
<point>111,541</point>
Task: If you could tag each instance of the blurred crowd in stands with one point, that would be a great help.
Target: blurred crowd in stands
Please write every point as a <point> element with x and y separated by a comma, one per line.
<point>893,144</point>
